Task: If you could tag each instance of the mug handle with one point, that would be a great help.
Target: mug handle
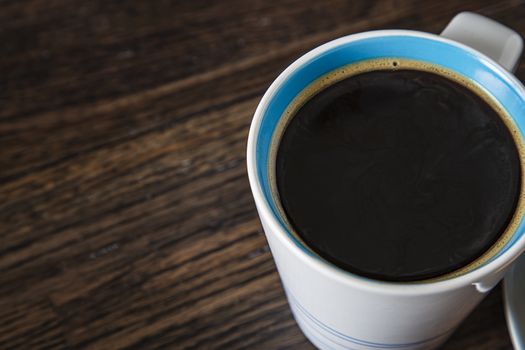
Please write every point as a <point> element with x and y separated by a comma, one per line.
<point>495,40</point>
<point>487,285</point>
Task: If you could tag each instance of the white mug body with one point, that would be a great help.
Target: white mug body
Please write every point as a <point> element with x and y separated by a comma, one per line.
<point>337,309</point>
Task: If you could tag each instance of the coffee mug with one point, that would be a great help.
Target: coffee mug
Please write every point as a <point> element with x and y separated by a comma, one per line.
<point>339,310</point>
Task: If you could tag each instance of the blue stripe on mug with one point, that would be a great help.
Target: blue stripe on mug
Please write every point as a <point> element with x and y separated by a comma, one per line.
<point>466,63</point>
<point>353,340</point>
<point>317,337</point>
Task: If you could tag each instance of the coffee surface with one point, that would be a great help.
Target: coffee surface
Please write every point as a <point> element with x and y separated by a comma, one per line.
<point>398,175</point>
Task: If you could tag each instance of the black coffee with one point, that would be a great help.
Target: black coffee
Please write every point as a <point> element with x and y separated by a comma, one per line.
<point>398,175</point>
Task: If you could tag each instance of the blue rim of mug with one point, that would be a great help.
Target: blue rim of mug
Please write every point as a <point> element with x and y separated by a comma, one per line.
<point>401,44</point>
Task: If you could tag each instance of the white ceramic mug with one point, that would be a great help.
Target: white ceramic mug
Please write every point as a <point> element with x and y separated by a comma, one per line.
<point>337,309</point>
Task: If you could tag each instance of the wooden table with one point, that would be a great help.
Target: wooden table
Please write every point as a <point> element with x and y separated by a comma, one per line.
<point>126,219</point>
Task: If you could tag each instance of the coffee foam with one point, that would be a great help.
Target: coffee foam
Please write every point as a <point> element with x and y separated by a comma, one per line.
<point>347,71</point>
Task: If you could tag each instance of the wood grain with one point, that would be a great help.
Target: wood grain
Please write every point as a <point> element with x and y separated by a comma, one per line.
<point>126,219</point>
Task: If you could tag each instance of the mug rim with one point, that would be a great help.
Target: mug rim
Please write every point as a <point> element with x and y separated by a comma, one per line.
<point>267,215</point>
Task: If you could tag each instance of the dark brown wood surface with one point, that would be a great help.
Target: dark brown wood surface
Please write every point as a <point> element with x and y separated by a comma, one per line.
<point>126,219</point>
